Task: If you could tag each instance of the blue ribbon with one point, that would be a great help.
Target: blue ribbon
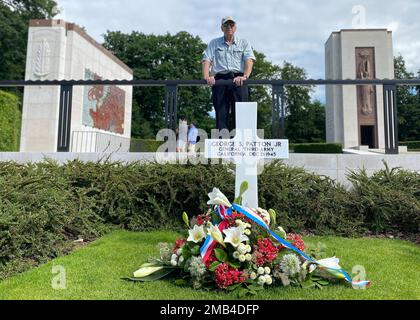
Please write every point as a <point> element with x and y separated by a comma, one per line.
<point>241,210</point>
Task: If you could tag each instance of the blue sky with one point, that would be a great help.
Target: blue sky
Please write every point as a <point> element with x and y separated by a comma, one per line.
<point>291,30</point>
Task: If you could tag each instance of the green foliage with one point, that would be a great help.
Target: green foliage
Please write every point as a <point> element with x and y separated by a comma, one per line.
<point>10,119</point>
<point>318,148</point>
<point>262,70</point>
<point>40,212</point>
<point>144,145</point>
<point>14,19</point>
<point>46,205</point>
<point>305,201</point>
<point>408,101</point>
<point>305,120</point>
<point>388,201</point>
<point>411,145</point>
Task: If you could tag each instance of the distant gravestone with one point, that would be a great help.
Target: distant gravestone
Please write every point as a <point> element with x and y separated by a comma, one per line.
<point>246,149</point>
<point>100,115</point>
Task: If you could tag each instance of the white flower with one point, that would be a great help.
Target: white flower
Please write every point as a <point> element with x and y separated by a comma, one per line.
<point>146,271</point>
<point>235,236</point>
<point>196,234</point>
<point>242,258</point>
<point>261,280</point>
<point>261,270</point>
<point>312,268</point>
<point>253,276</point>
<point>283,233</point>
<point>236,255</point>
<point>247,232</point>
<point>174,257</point>
<point>290,264</point>
<point>268,280</point>
<point>174,263</point>
<point>248,257</point>
<point>242,248</point>
<point>218,198</point>
<point>181,259</point>
<point>248,248</point>
<point>215,233</point>
<point>179,251</point>
<point>267,270</point>
<point>330,263</point>
<point>239,223</point>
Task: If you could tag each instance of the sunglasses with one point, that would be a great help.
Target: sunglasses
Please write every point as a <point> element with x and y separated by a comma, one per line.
<point>229,24</point>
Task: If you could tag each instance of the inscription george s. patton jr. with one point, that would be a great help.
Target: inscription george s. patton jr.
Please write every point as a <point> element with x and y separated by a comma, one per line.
<point>246,148</point>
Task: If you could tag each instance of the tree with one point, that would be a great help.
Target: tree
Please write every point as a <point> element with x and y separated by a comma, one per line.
<point>263,69</point>
<point>305,120</point>
<point>14,20</point>
<point>408,103</point>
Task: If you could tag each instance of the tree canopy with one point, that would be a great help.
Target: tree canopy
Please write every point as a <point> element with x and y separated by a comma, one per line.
<point>408,103</point>
<point>14,23</point>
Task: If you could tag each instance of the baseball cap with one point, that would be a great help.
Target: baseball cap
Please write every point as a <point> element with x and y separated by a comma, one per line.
<point>226,19</point>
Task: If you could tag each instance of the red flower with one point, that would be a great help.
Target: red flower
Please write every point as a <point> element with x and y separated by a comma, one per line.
<point>178,244</point>
<point>226,276</point>
<point>265,251</point>
<point>237,216</point>
<point>212,258</point>
<point>202,218</point>
<point>296,241</point>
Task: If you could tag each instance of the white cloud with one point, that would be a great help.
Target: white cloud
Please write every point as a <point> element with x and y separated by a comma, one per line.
<point>292,30</point>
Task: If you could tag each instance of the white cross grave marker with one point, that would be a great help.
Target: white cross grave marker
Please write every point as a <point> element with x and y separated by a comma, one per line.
<point>246,149</point>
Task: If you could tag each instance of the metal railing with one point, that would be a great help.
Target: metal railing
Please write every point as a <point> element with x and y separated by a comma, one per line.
<point>98,142</point>
<point>171,98</point>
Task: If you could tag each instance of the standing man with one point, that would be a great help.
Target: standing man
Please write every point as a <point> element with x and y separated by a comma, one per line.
<point>192,138</point>
<point>229,58</point>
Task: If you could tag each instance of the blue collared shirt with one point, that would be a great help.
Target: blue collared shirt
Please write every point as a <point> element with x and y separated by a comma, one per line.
<point>192,135</point>
<point>225,58</point>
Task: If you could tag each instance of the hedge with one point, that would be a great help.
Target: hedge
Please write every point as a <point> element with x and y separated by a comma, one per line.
<point>411,145</point>
<point>44,206</point>
<point>144,145</point>
<point>10,122</point>
<point>318,148</point>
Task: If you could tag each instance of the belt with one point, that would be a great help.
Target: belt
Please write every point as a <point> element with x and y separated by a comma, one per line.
<point>229,75</point>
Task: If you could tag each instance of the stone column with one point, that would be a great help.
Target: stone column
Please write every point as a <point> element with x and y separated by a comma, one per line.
<point>354,115</point>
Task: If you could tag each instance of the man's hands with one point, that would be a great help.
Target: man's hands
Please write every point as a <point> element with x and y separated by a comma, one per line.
<point>210,81</point>
<point>239,81</point>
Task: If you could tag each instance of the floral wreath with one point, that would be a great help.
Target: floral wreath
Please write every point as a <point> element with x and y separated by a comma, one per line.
<point>236,248</point>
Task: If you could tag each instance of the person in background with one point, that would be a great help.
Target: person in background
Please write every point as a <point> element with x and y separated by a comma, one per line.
<point>182,133</point>
<point>192,138</point>
<point>230,58</point>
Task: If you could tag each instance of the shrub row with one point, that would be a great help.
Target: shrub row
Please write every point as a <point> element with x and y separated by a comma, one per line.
<point>411,145</point>
<point>144,145</point>
<point>10,119</point>
<point>43,206</point>
<point>318,148</point>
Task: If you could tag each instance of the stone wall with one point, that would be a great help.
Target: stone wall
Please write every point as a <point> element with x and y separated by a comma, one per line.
<point>58,50</point>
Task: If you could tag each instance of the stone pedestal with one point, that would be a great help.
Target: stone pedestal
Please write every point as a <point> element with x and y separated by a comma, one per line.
<point>355,114</point>
<point>58,50</point>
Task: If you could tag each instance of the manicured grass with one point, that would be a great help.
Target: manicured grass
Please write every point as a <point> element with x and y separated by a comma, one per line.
<point>94,272</point>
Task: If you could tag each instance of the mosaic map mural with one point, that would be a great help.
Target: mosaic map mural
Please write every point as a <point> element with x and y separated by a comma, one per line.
<point>103,106</point>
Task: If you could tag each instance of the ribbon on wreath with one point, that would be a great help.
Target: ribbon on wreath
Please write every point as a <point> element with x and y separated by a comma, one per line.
<point>225,212</point>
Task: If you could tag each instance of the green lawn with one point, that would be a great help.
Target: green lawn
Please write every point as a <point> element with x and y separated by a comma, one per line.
<point>94,272</point>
